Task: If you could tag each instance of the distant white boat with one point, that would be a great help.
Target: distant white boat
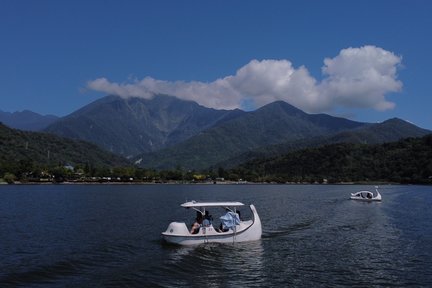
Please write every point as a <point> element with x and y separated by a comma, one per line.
<point>366,195</point>
<point>233,228</point>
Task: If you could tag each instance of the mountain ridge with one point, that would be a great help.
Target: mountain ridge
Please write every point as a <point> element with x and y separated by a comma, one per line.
<point>165,132</point>
<point>391,130</point>
<point>135,125</point>
<point>271,124</point>
<point>27,120</point>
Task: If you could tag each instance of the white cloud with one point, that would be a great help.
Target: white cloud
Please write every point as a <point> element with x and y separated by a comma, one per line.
<point>124,90</point>
<point>360,78</point>
<point>356,78</point>
<point>266,81</point>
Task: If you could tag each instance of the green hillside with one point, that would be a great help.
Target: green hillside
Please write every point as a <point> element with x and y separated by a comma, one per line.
<point>405,161</point>
<point>391,130</point>
<point>28,151</point>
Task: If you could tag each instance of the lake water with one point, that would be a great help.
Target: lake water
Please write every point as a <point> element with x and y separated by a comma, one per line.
<point>313,236</point>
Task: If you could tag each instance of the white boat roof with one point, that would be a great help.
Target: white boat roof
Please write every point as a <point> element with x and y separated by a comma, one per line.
<point>191,204</point>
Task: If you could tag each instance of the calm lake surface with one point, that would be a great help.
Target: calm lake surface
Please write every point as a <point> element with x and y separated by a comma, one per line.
<point>313,236</point>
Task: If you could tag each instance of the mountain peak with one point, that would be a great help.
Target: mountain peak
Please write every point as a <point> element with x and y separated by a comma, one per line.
<point>133,125</point>
<point>282,106</point>
<point>404,127</point>
<point>396,120</point>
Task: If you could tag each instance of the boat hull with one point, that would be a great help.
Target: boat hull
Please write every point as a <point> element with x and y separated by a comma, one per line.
<point>363,199</point>
<point>366,196</point>
<point>178,233</point>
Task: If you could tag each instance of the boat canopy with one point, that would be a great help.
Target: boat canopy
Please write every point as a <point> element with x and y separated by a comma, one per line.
<point>195,204</point>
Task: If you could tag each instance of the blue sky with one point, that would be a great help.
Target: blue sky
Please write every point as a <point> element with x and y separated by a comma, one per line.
<point>365,60</point>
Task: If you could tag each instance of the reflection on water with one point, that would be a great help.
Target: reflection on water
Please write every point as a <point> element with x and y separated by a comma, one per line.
<point>281,231</point>
<point>214,265</point>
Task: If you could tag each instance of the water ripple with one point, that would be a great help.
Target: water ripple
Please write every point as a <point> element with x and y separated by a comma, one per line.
<point>221,265</point>
<point>97,236</point>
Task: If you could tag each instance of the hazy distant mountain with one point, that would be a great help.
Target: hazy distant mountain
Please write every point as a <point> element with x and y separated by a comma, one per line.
<point>135,125</point>
<point>26,120</point>
<point>47,149</point>
<point>275,123</point>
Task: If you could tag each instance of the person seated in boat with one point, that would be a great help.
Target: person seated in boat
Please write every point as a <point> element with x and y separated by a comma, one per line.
<point>197,224</point>
<point>208,219</point>
<point>369,196</point>
<point>239,214</point>
<point>222,228</point>
<point>229,221</point>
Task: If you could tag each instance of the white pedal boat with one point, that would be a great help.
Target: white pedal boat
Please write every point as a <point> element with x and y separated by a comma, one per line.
<point>366,195</point>
<point>234,229</point>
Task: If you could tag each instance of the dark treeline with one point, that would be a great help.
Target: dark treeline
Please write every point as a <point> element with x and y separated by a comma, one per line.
<point>405,161</point>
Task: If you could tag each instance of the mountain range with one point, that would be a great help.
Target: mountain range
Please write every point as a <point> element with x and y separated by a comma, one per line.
<point>275,123</point>
<point>134,125</point>
<point>165,132</point>
<point>275,129</point>
<point>27,120</point>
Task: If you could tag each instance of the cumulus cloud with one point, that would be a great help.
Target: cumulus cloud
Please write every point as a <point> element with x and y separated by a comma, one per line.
<point>360,78</point>
<point>355,78</point>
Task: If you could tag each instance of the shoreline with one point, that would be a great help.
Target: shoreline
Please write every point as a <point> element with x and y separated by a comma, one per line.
<point>203,183</point>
